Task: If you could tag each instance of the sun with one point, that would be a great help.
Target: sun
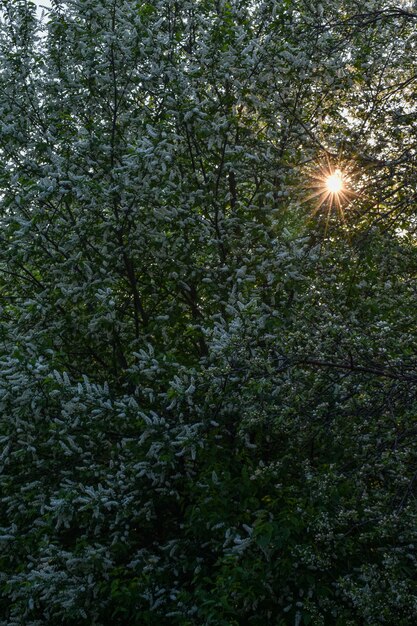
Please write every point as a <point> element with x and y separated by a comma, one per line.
<point>334,182</point>
<point>330,186</point>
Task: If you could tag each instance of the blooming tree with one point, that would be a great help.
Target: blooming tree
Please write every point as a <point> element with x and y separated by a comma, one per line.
<point>208,358</point>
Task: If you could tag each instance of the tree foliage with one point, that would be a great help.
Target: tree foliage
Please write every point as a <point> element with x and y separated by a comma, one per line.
<point>208,381</point>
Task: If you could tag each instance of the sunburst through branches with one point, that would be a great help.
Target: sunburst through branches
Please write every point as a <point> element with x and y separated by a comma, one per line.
<point>330,188</point>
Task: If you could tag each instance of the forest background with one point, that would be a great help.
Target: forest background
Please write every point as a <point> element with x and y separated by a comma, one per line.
<point>208,358</point>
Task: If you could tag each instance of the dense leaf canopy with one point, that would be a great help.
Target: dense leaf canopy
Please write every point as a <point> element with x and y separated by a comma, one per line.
<point>208,364</point>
